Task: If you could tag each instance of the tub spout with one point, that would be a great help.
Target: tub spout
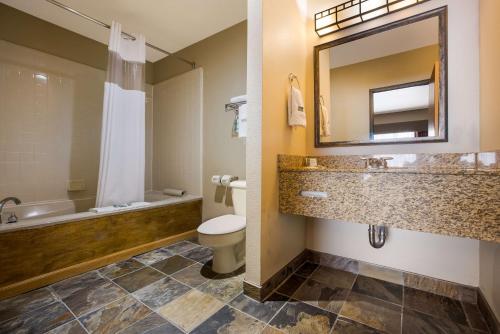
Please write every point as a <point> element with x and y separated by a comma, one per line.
<point>376,242</point>
<point>12,218</point>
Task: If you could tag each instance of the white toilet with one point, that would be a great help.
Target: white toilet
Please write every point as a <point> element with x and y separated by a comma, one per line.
<point>226,234</point>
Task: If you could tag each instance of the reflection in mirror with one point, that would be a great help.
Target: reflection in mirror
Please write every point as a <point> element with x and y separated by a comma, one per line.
<point>383,86</point>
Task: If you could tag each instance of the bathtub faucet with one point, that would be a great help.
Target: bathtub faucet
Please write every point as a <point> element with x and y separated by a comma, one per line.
<point>12,218</point>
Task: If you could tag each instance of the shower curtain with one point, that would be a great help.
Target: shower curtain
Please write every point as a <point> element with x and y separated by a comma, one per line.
<point>122,163</point>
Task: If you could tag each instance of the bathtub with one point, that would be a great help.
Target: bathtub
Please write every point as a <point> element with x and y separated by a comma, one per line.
<point>60,239</point>
<point>31,215</point>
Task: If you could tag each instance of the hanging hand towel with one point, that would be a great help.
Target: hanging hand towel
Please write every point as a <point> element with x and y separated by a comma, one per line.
<point>296,110</point>
<point>324,120</point>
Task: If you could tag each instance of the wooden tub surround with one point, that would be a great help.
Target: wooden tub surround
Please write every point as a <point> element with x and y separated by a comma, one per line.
<point>449,194</point>
<point>38,256</point>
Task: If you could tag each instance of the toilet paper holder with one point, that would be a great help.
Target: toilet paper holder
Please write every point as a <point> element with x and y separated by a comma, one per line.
<point>224,180</point>
<point>227,179</point>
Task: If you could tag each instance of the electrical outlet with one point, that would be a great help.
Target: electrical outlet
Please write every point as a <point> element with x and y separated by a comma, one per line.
<point>76,185</point>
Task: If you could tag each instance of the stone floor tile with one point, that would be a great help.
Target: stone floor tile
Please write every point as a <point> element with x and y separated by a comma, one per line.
<point>230,320</point>
<point>373,287</point>
<point>190,310</point>
<point>373,312</point>
<point>138,279</point>
<point>115,270</point>
<point>264,311</point>
<point>115,316</point>
<point>297,317</point>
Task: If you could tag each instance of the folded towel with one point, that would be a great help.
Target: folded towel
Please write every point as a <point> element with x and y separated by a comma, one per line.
<point>174,192</point>
<point>242,121</point>
<point>324,120</point>
<point>118,207</point>
<point>296,110</point>
<point>241,98</point>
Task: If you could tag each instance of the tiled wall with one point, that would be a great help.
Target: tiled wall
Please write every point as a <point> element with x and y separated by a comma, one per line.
<point>50,124</point>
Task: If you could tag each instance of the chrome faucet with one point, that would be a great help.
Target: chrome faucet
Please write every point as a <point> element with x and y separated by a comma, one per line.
<point>376,162</point>
<point>12,218</point>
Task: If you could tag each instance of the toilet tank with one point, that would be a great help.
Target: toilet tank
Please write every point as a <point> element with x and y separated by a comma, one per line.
<point>239,192</point>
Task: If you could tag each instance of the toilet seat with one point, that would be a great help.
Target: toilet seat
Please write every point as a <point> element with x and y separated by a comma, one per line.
<point>223,225</point>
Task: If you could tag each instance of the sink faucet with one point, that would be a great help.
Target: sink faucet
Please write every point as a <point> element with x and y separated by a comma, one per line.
<point>376,162</point>
<point>12,218</point>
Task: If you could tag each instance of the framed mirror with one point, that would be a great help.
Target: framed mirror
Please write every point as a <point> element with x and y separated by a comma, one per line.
<point>387,85</point>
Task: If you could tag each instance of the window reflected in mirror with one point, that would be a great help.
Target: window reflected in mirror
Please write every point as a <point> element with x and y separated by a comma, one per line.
<point>382,86</point>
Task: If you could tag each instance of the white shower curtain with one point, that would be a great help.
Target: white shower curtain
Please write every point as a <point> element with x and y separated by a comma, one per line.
<point>122,164</point>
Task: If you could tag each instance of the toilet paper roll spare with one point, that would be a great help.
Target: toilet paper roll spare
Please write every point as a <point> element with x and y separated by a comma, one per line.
<point>174,192</point>
<point>216,180</point>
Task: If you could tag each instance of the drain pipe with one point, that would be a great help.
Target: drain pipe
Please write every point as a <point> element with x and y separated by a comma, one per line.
<point>374,241</point>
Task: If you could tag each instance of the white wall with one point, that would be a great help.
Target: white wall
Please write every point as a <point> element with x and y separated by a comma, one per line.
<point>489,274</point>
<point>254,143</point>
<point>489,253</point>
<point>177,133</point>
<point>448,258</point>
<point>463,126</point>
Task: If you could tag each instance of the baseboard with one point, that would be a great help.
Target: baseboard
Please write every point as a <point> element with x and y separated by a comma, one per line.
<point>489,315</point>
<point>80,268</point>
<point>260,293</point>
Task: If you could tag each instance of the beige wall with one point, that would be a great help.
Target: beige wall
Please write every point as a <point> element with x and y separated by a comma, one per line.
<point>463,111</point>
<point>26,30</point>
<point>490,74</point>
<point>283,51</point>
<point>177,132</point>
<point>350,87</point>
<point>223,59</point>
<point>489,253</point>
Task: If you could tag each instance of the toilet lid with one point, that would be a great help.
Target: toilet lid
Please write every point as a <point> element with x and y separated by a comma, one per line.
<point>223,224</point>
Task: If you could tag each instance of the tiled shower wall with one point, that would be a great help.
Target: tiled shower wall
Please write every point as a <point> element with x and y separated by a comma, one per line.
<point>50,125</point>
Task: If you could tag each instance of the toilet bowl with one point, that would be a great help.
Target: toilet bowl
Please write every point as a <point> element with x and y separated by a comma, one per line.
<point>226,234</point>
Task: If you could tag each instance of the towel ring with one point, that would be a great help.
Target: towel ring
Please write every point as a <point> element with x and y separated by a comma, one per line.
<point>292,77</point>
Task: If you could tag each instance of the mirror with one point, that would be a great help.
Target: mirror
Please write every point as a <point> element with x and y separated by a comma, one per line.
<point>383,86</point>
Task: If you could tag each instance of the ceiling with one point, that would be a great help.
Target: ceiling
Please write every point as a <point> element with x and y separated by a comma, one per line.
<point>169,24</point>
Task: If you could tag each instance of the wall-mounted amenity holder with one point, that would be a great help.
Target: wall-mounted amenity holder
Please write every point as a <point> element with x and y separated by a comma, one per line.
<point>238,105</point>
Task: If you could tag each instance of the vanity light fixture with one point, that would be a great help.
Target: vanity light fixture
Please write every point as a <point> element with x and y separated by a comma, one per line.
<point>353,12</point>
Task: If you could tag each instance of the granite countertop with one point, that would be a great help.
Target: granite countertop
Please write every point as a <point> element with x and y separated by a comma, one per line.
<point>448,194</point>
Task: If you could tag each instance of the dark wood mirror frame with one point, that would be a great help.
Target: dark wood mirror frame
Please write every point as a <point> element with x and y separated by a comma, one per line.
<point>442,14</point>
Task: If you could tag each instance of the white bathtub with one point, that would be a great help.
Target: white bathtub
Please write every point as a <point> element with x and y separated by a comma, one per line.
<point>31,215</point>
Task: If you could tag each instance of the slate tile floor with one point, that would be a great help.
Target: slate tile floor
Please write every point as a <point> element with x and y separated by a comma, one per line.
<point>173,290</point>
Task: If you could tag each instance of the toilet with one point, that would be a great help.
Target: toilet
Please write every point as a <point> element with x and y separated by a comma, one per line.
<point>226,234</point>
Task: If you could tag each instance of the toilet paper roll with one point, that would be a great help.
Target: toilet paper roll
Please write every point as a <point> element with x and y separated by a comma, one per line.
<point>227,179</point>
<point>216,180</point>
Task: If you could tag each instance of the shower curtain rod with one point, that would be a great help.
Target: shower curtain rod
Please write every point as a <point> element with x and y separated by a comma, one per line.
<point>74,11</point>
